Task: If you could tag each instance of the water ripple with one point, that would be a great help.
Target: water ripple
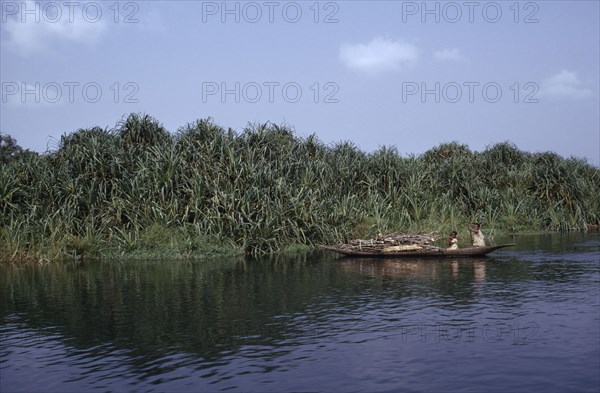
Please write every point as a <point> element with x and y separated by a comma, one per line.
<point>523,321</point>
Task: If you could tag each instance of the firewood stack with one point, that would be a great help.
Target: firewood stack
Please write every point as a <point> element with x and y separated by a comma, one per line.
<point>392,242</point>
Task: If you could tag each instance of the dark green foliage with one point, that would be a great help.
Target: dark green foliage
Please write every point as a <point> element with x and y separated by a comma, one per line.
<point>142,131</point>
<point>139,190</point>
<point>9,150</point>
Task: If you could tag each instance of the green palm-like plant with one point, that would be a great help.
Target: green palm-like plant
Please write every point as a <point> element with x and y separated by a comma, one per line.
<point>264,188</point>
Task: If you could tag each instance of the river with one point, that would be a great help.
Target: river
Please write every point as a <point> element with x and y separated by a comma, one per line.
<point>525,319</point>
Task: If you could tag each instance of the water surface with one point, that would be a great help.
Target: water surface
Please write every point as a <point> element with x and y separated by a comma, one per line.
<point>523,320</point>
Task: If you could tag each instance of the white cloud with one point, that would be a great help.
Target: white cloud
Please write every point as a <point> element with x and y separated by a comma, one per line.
<point>40,31</point>
<point>379,55</point>
<point>564,85</point>
<point>448,55</point>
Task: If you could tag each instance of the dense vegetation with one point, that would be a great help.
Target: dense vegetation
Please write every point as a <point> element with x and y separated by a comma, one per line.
<point>139,190</point>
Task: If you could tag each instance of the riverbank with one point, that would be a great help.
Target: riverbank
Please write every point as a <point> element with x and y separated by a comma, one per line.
<point>188,249</point>
<point>140,191</point>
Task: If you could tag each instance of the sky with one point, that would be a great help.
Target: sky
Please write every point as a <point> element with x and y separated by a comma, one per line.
<point>409,74</point>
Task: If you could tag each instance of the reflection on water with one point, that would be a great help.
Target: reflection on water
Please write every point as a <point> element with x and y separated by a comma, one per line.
<point>426,269</point>
<point>522,320</point>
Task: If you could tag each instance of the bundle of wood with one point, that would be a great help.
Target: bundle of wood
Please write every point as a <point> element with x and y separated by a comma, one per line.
<point>393,242</point>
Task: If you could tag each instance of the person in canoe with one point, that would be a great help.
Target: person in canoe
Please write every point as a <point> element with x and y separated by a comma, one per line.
<point>477,238</point>
<point>452,241</point>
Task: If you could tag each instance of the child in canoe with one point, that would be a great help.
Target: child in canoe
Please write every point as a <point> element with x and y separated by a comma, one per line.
<point>452,241</point>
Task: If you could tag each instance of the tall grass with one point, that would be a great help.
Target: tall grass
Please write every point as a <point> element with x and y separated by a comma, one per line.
<point>139,189</point>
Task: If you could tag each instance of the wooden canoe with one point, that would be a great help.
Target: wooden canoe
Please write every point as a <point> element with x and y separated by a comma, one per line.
<point>424,252</point>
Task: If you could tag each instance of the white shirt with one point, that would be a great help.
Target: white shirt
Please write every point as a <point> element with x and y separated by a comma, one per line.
<point>478,239</point>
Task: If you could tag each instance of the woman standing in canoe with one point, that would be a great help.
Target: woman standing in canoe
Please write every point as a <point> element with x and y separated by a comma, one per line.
<point>476,236</point>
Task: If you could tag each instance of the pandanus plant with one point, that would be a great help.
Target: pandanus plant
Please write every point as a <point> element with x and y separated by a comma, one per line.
<point>266,187</point>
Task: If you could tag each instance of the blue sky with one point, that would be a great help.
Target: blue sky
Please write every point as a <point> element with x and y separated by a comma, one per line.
<point>402,73</point>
